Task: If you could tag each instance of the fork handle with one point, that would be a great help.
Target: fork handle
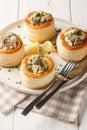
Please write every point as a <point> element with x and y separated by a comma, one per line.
<point>45,99</point>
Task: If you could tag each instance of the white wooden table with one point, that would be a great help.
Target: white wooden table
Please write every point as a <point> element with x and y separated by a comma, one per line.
<point>13,10</point>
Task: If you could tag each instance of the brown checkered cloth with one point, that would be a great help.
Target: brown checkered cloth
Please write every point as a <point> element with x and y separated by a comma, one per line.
<point>65,106</point>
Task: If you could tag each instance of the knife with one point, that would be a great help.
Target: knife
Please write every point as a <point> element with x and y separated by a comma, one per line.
<point>79,68</point>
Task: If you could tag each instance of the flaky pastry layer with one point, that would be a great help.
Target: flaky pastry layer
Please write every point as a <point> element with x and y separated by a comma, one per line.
<point>37,80</point>
<point>40,33</point>
<point>13,57</point>
<point>70,53</point>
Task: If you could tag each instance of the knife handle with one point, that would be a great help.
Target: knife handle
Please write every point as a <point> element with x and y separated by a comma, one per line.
<point>36,100</point>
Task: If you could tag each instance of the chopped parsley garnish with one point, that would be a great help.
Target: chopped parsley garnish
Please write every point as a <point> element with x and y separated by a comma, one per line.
<point>40,14</point>
<point>20,82</point>
<point>77,32</point>
<point>29,68</point>
<point>19,26</point>
<point>58,30</point>
<point>57,69</point>
<point>49,52</point>
<point>9,70</point>
<point>16,82</point>
<point>60,65</point>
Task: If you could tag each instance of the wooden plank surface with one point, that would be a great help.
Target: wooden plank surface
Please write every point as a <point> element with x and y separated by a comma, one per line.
<point>58,8</point>
<point>79,12</point>
<point>12,10</point>
<point>83,117</point>
<point>8,12</point>
<point>83,123</point>
<point>36,122</point>
<point>7,122</point>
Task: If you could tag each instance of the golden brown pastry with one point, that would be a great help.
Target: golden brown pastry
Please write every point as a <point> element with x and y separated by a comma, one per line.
<point>37,71</point>
<point>11,50</point>
<point>72,44</point>
<point>39,26</point>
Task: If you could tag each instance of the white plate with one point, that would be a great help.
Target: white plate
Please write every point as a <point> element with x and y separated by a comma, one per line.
<point>11,76</point>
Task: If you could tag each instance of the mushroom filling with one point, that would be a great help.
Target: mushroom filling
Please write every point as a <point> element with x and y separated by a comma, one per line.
<point>74,37</point>
<point>39,18</point>
<point>37,64</point>
<point>8,42</point>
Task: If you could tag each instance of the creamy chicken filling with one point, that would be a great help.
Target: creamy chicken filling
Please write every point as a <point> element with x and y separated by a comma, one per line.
<point>39,18</point>
<point>37,64</point>
<point>74,37</point>
<point>8,42</point>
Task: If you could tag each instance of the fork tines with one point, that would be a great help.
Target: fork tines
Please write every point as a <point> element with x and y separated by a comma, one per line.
<point>69,66</point>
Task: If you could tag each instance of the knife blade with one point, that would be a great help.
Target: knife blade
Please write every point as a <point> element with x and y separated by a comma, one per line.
<point>79,68</point>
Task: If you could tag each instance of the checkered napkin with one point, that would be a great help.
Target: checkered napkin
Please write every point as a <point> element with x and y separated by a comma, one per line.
<point>9,98</point>
<point>65,106</point>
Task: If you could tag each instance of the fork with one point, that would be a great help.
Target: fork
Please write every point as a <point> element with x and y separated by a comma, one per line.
<point>37,102</point>
<point>64,72</point>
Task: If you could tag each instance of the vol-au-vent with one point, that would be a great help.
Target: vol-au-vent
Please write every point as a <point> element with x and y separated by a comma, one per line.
<point>11,50</point>
<point>39,26</point>
<point>72,44</point>
<point>37,71</point>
